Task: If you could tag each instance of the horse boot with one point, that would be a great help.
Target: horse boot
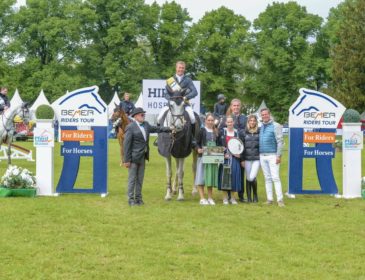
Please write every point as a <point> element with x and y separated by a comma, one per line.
<point>193,141</point>
<point>254,190</point>
<point>248,191</point>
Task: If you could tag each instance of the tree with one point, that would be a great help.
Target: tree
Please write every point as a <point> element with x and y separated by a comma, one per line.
<point>348,56</point>
<point>166,33</point>
<point>43,37</point>
<point>114,53</point>
<point>5,12</point>
<point>218,44</point>
<point>283,59</point>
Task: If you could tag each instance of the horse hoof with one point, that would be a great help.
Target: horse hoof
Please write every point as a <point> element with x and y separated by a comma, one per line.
<point>180,196</point>
<point>168,196</point>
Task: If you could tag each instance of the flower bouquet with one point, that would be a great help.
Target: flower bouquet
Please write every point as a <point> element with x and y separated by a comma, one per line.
<point>17,181</point>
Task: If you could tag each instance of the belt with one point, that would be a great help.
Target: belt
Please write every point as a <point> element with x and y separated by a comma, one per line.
<point>268,154</point>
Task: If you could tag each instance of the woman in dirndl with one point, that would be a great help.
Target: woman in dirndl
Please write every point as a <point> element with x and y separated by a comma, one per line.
<point>206,174</point>
<point>233,162</point>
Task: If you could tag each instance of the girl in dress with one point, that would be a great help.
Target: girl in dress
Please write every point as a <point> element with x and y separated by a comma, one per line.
<point>234,161</point>
<point>206,174</point>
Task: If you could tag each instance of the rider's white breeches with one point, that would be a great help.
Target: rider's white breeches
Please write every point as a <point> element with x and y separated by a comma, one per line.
<point>188,109</point>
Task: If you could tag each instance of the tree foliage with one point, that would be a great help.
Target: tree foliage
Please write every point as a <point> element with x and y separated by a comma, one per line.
<point>60,45</point>
<point>217,49</point>
<point>284,59</point>
<point>348,56</point>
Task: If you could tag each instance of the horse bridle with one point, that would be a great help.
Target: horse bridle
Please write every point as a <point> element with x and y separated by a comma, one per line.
<point>174,116</point>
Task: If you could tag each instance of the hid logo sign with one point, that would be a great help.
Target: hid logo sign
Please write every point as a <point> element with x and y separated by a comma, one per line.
<point>319,114</point>
<point>79,109</point>
<point>154,96</point>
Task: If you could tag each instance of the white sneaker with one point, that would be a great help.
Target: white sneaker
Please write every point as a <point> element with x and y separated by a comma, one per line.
<point>225,201</point>
<point>211,201</point>
<point>204,202</point>
<point>233,201</point>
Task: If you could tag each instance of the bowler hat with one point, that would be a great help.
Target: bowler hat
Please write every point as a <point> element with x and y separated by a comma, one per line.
<point>137,110</point>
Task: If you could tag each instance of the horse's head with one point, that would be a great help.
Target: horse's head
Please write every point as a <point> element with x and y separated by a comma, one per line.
<point>175,118</point>
<point>118,113</point>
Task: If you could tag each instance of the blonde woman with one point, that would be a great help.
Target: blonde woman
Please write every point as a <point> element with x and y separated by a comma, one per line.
<point>251,156</point>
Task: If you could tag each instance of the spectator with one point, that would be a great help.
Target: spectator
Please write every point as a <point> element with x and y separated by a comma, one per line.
<point>271,142</point>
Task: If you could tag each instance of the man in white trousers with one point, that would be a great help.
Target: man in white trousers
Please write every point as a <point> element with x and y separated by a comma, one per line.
<point>271,143</point>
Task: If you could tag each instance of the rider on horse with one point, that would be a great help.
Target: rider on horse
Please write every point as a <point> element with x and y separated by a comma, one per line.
<point>4,101</point>
<point>180,85</point>
<point>126,105</point>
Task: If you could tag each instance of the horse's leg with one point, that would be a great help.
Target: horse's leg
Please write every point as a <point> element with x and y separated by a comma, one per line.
<point>175,182</point>
<point>9,152</point>
<point>180,174</point>
<point>168,177</point>
<point>195,158</point>
<point>120,137</point>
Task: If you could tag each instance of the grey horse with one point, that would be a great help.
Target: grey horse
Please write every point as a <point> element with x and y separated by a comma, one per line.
<point>7,127</point>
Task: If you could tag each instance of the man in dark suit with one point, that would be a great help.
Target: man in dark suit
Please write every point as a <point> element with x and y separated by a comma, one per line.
<point>136,152</point>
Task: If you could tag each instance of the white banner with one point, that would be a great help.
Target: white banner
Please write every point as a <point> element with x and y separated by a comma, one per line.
<point>154,96</point>
<point>314,109</point>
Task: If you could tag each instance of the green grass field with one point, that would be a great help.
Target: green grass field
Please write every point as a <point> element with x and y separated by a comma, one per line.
<point>82,236</point>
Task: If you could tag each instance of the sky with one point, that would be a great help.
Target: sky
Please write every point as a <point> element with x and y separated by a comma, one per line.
<point>250,9</point>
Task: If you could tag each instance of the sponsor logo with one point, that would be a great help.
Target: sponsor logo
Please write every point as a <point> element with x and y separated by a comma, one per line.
<point>43,138</point>
<point>314,109</point>
<point>81,107</point>
<point>77,135</point>
<point>353,140</point>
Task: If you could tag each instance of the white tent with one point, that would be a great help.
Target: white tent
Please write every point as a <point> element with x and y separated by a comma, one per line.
<point>262,106</point>
<point>362,116</point>
<point>41,100</point>
<point>139,102</point>
<point>111,106</point>
<point>16,100</point>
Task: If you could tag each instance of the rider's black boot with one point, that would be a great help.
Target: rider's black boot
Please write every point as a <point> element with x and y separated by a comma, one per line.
<point>254,190</point>
<point>193,140</point>
<point>248,191</point>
